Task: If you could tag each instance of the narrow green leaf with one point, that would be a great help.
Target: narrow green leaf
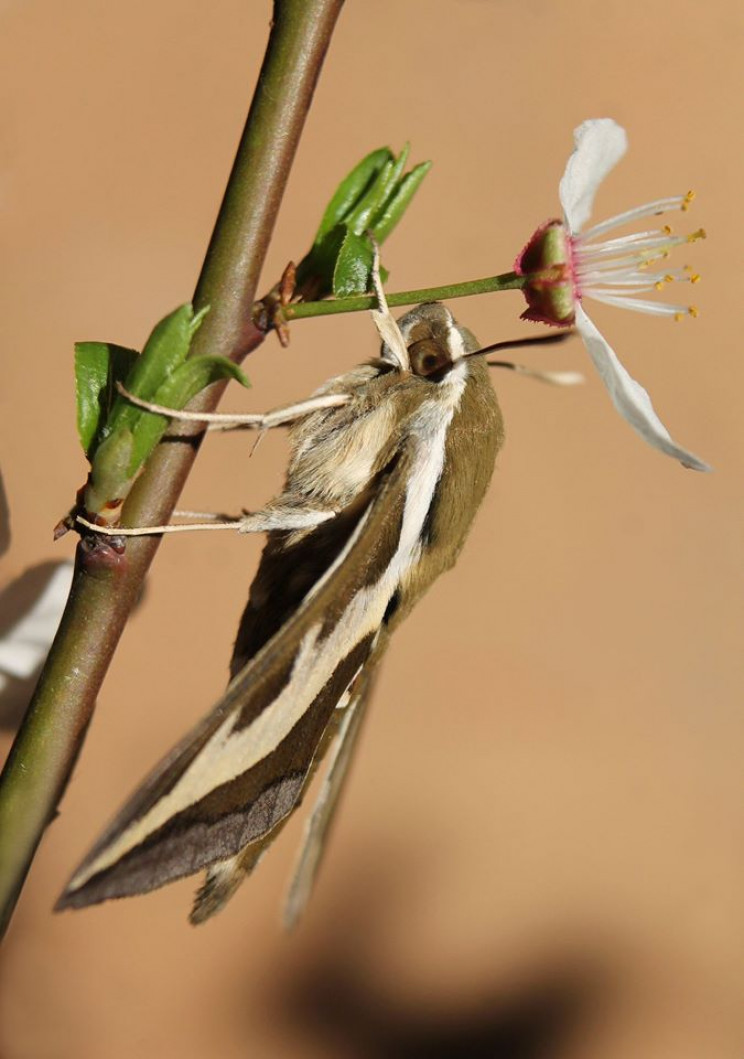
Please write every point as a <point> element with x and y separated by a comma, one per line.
<point>388,189</point>
<point>109,477</point>
<point>383,188</point>
<point>166,348</point>
<point>193,376</point>
<point>353,266</point>
<point>175,392</point>
<point>198,320</point>
<point>315,272</point>
<point>358,220</point>
<point>98,367</point>
<point>398,202</point>
<point>373,197</point>
<point>351,189</point>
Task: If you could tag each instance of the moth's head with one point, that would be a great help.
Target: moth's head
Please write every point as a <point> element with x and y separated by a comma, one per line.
<point>434,341</point>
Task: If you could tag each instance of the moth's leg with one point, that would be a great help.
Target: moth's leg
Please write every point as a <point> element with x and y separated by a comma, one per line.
<point>281,417</point>
<point>321,818</point>
<point>385,322</point>
<point>212,516</point>
<point>264,521</point>
<point>278,417</point>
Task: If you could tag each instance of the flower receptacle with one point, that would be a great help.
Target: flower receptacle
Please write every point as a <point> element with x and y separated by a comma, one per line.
<point>545,262</point>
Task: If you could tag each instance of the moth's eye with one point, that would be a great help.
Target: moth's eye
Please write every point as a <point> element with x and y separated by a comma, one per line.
<point>428,357</point>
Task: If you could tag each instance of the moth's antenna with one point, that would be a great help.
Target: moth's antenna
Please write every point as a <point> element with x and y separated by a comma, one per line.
<point>555,378</point>
<point>387,328</point>
<point>517,343</point>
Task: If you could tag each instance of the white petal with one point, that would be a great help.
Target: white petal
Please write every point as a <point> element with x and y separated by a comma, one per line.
<point>628,396</point>
<point>600,143</point>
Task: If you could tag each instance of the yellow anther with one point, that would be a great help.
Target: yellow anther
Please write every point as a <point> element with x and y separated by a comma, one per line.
<point>700,233</point>
<point>687,201</point>
<point>668,278</point>
<point>659,285</point>
<point>694,311</point>
<point>678,317</point>
<point>667,229</point>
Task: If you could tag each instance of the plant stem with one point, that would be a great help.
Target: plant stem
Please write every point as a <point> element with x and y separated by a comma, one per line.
<point>106,583</point>
<point>506,281</point>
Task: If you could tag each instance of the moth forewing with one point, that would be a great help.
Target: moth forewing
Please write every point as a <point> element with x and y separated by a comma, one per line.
<point>403,464</point>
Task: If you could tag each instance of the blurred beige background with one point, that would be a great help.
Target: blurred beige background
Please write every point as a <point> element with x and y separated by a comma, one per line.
<point>541,852</point>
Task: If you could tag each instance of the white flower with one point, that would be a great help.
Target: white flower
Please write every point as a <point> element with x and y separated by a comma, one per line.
<point>564,262</point>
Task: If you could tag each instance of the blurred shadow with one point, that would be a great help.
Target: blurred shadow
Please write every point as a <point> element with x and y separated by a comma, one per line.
<point>328,996</point>
<point>336,1008</point>
<point>36,598</point>
<point>17,601</point>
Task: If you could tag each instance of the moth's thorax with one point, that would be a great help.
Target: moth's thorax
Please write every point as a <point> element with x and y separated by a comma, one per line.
<point>338,452</point>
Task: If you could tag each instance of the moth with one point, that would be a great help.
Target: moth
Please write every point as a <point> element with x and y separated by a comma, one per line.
<point>389,464</point>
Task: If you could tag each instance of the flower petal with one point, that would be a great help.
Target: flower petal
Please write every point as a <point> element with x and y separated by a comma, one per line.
<point>628,396</point>
<point>600,143</point>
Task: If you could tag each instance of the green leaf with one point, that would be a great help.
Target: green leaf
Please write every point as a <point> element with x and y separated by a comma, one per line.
<point>98,367</point>
<point>353,266</point>
<point>351,189</point>
<point>117,435</point>
<point>197,319</point>
<point>387,189</point>
<point>358,221</point>
<point>166,349</point>
<point>383,188</point>
<point>398,202</point>
<point>110,479</point>
<point>373,196</point>
<point>176,391</point>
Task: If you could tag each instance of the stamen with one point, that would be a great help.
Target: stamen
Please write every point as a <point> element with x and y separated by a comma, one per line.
<point>656,236</point>
<point>650,209</point>
<point>629,291</point>
<point>651,250</point>
<point>641,305</point>
<point>621,279</point>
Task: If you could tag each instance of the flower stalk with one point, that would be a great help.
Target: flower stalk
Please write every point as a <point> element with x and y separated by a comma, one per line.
<point>491,284</point>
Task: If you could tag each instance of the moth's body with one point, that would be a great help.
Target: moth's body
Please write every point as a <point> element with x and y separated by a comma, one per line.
<point>397,472</point>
